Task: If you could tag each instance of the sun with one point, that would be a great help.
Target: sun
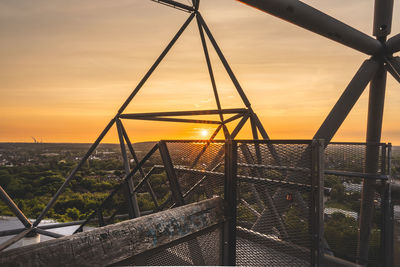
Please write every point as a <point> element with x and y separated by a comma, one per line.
<point>204,132</point>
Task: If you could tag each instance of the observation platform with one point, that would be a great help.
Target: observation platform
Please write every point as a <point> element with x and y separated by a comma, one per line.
<point>229,202</point>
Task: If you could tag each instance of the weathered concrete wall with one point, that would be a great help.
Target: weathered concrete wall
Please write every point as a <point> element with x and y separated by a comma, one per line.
<point>114,243</point>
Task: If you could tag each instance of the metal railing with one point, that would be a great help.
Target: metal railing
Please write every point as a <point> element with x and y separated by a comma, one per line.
<point>284,198</point>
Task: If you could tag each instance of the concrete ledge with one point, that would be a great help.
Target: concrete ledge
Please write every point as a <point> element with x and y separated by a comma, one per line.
<point>117,242</point>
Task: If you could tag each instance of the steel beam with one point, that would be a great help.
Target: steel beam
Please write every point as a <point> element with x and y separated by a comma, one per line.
<point>206,145</point>
<point>265,136</point>
<point>203,150</point>
<point>14,208</point>
<point>171,175</point>
<point>383,13</point>
<point>255,137</point>
<point>374,130</point>
<point>121,109</point>
<point>175,4</point>
<point>346,101</point>
<point>132,200</point>
<point>393,66</point>
<point>185,113</point>
<point>135,158</point>
<point>237,116</point>
<point>239,126</point>
<point>317,201</point>
<point>59,225</point>
<point>198,183</point>
<point>147,176</point>
<point>196,4</point>
<point>72,174</point>
<point>307,17</point>
<point>252,180</point>
<point>274,242</point>
<point>209,67</point>
<point>100,217</point>
<point>11,232</point>
<point>224,62</point>
<point>230,197</point>
<point>126,116</point>
<point>48,233</point>
<point>156,63</point>
<point>393,44</point>
<point>260,127</point>
<point>145,158</point>
<point>250,208</point>
<point>15,239</point>
<point>227,135</point>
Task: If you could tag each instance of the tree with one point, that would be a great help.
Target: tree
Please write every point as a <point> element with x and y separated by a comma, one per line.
<point>337,193</point>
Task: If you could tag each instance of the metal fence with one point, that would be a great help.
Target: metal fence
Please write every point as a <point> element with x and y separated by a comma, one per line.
<point>287,202</point>
<point>202,248</point>
<point>396,235</point>
<point>278,212</point>
<point>345,165</point>
<point>272,189</point>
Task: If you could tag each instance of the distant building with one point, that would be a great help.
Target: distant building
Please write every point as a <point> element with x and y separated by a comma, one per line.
<point>329,211</point>
<point>355,188</point>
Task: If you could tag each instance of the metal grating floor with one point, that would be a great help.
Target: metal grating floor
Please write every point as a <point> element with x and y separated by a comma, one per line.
<point>261,255</point>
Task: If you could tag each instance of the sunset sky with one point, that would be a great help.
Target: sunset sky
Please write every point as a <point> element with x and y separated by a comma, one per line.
<point>67,66</point>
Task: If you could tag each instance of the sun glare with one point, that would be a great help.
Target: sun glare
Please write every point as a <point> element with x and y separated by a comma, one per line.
<point>204,133</point>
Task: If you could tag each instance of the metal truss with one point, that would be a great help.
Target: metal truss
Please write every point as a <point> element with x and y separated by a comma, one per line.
<point>242,115</point>
<point>373,70</point>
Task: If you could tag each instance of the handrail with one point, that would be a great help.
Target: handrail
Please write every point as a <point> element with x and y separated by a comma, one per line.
<point>128,176</point>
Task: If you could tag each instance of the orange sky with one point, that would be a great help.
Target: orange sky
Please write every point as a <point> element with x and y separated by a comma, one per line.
<point>67,66</point>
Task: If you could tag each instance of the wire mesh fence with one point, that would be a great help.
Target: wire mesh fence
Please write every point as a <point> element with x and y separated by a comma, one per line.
<point>351,157</point>
<point>274,201</point>
<point>342,212</point>
<point>286,211</point>
<point>396,235</point>
<point>199,167</point>
<point>199,250</point>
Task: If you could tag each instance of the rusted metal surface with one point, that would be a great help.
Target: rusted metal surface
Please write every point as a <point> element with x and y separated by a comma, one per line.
<point>114,243</point>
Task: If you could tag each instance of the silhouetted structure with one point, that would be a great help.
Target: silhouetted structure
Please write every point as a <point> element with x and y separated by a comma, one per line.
<point>273,190</point>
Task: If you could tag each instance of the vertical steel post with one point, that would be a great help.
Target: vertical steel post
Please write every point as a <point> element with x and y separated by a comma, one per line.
<point>389,161</point>
<point>230,195</point>
<point>374,129</point>
<point>317,201</point>
<point>387,227</point>
<point>383,14</point>
<point>131,196</point>
<point>100,217</point>
<point>384,148</point>
<point>255,137</point>
<point>135,158</point>
<point>383,10</point>
<point>388,214</point>
<point>171,175</point>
